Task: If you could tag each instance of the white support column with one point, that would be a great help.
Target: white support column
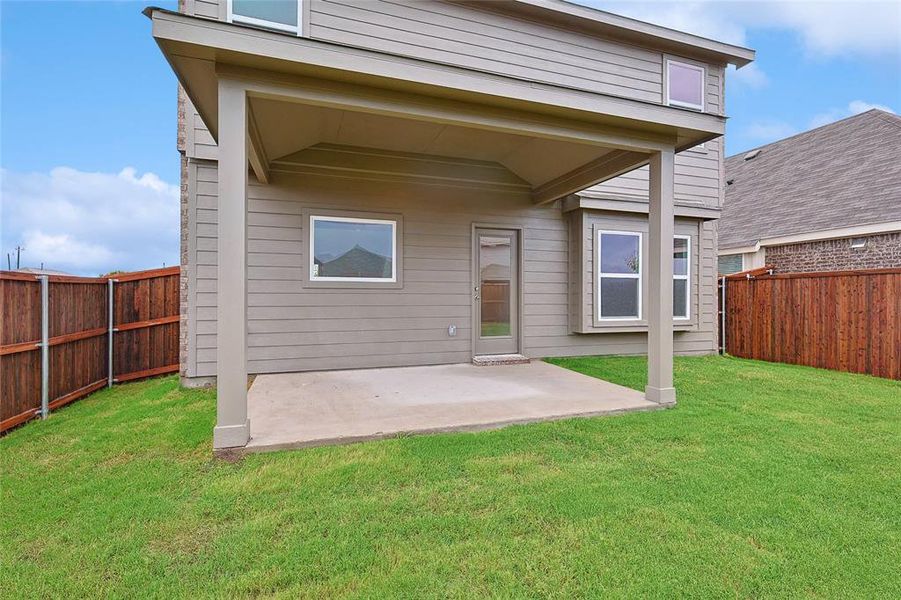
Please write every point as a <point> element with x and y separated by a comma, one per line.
<point>660,280</point>
<point>232,425</point>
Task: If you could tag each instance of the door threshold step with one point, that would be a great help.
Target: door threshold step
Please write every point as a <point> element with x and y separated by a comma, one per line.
<point>493,360</point>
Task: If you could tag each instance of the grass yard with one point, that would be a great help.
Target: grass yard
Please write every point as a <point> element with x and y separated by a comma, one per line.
<point>766,481</point>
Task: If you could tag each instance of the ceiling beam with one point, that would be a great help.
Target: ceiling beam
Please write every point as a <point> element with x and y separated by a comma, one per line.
<point>256,154</point>
<point>608,166</point>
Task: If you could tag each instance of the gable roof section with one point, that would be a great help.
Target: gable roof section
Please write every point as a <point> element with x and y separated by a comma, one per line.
<point>845,174</point>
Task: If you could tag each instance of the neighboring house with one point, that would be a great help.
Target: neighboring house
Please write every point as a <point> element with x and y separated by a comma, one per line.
<point>824,200</point>
<point>449,143</point>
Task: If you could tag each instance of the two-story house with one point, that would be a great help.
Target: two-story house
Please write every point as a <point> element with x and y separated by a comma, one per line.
<point>408,182</point>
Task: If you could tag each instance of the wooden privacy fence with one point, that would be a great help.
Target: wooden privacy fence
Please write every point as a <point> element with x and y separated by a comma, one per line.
<point>844,320</point>
<point>60,340</point>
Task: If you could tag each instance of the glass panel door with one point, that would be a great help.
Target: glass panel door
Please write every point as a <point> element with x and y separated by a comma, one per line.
<point>496,296</point>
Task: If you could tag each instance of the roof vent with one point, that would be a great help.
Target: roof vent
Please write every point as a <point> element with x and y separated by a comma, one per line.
<point>752,154</point>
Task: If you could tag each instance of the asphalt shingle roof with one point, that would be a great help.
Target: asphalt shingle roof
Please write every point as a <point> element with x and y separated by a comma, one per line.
<point>844,174</point>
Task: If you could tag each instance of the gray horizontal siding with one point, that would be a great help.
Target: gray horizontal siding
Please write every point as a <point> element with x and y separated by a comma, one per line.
<point>294,328</point>
<point>697,179</point>
<point>477,38</point>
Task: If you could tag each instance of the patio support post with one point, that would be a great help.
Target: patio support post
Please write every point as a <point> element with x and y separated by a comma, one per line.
<point>660,280</point>
<point>232,425</point>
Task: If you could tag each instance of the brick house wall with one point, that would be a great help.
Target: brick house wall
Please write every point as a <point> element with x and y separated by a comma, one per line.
<point>183,212</point>
<point>881,251</point>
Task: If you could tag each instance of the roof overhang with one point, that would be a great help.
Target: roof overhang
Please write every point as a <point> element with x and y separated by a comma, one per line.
<point>815,236</point>
<point>590,200</point>
<point>335,77</point>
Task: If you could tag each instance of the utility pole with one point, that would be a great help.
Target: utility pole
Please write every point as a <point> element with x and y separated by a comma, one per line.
<point>19,257</point>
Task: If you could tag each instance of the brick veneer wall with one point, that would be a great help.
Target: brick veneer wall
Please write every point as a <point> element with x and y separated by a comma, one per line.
<point>882,251</point>
<point>183,279</point>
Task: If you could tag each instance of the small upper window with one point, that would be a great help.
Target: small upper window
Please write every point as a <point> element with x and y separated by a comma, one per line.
<point>283,15</point>
<point>859,242</point>
<point>685,85</point>
<point>619,275</point>
<point>351,249</point>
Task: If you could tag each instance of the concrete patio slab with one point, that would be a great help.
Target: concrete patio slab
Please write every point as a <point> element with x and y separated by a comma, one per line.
<point>292,410</point>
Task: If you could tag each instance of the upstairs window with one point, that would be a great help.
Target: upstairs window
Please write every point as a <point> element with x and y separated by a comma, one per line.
<point>619,275</point>
<point>685,85</point>
<point>283,15</point>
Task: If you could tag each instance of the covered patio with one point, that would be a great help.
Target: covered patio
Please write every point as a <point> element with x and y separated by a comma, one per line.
<point>290,108</point>
<point>294,410</point>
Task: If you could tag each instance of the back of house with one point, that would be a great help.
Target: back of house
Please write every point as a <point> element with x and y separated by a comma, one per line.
<point>432,182</point>
<point>824,200</point>
<point>431,225</point>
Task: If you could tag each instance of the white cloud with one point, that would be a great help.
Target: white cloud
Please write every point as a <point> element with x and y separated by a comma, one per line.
<point>90,223</point>
<point>750,76</point>
<point>825,27</point>
<point>855,107</point>
<point>769,131</point>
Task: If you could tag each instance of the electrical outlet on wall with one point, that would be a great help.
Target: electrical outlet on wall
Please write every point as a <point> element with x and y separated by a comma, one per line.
<point>452,330</point>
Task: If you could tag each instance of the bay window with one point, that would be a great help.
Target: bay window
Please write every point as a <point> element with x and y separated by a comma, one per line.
<point>619,275</point>
<point>681,276</point>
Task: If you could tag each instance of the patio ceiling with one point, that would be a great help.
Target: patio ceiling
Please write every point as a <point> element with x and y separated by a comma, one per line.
<point>285,128</point>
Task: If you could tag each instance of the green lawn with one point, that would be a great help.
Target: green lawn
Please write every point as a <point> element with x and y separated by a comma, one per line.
<point>766,481</point>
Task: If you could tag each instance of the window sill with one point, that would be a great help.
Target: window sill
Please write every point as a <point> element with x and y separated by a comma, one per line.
<point>633,328</point>
<point>358,285</point>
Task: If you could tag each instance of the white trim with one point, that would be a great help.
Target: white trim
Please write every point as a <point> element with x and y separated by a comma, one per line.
<point>686,277</point>
<point>312,258</point>
<point>694,67</point>
<point>601,275</point>
<point>231,17</point>
<point>816,236</point>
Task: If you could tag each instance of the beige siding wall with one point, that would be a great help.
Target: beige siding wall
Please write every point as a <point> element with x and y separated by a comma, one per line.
<point>698,170</point>
<point>477,38</point>
<point>292,327</point>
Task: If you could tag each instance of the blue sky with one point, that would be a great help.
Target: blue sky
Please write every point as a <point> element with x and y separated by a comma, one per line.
<point>87,128</point>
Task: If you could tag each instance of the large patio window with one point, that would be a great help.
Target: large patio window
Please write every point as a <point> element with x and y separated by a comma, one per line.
<point>685,85</point>
<point>681,276</point>
<point>283,15</point>
<point>619,275</point>
<point>349,249</point>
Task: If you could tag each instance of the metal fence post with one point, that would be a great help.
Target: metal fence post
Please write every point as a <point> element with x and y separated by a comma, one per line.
<point>723,315</point>
<point>109,343</point>
<point>45,345</point>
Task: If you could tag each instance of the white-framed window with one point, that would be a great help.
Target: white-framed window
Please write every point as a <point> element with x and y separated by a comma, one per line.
<point>685,83</point>
<point>859,242</point>
<point>619,275</point>
<point>351,249</point>
<point>681,277</point>
<point>283,15</point>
